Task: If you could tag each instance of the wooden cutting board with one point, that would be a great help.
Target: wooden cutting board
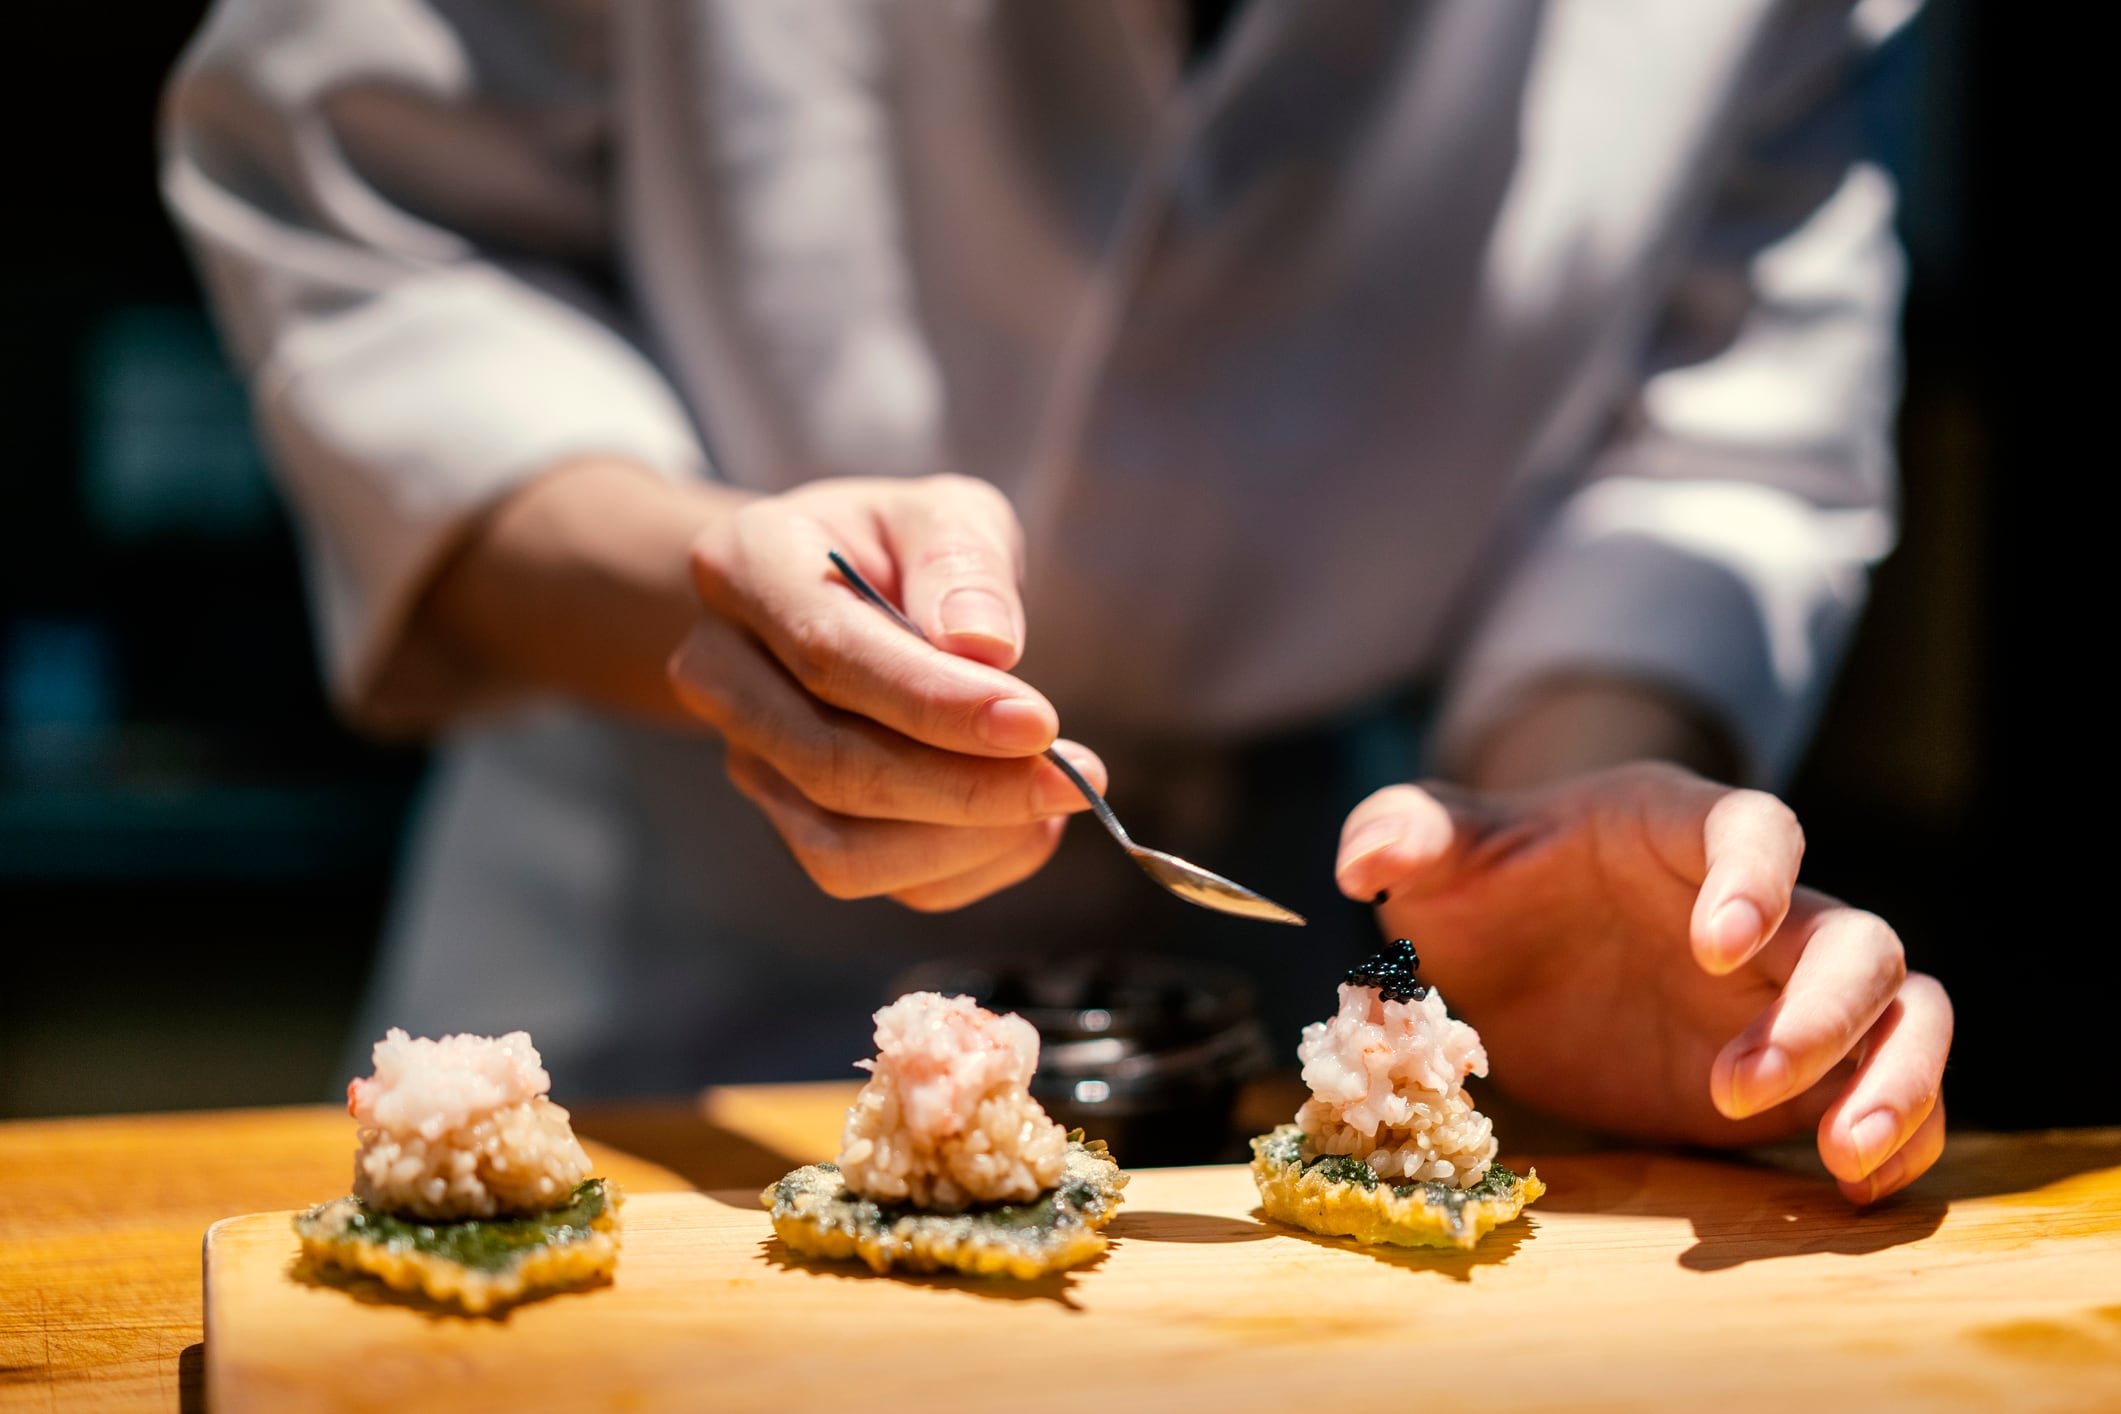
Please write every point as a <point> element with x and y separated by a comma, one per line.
<point>1640,1281</point>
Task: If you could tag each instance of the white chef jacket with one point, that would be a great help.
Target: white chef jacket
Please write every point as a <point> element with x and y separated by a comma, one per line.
<point>1402,344</point>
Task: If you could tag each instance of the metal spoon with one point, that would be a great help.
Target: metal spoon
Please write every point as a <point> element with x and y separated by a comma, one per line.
<point>1189,881</point>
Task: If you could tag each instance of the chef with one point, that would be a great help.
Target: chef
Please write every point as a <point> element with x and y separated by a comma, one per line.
<point>1285,401</point>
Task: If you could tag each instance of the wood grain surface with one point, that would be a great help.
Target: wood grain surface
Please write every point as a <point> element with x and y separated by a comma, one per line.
<point>1642,1278</point>
<point>101,1220</point>
<point>1647,1282</point>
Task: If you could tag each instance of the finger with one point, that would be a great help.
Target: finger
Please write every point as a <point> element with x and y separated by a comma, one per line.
<point>851,765</point>
<point>1923,1148</point>
<point>725,677</point>
<point>852,858</point>
<point>1396,834</point>
<point>1849,970</point>
<point>1751,846</point>
<point>1895,1088</point>
<point>959,552</point>
<point>990,878</point>
<point>770,574</point>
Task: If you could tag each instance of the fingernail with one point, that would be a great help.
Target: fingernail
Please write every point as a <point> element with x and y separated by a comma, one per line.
<point>1056,793</point>
<point>976,613</point>
<point>1760,1080</point>
<point>1428,833</point>
<point>1369,840</point>
<point>1872,1138</point>
<point>1735,927</point>
<point>1016,724</point>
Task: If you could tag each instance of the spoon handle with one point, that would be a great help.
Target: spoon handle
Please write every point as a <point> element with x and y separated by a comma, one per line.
<point>1103,811</point>
<point>868,591</point>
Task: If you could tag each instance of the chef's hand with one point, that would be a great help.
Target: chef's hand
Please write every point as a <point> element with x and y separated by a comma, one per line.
<point>889,766</point>
<point>1635,949</point>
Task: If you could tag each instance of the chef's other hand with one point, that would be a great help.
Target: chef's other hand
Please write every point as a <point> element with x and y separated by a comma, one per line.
<point>1636,951</point>
<point>890,766</point>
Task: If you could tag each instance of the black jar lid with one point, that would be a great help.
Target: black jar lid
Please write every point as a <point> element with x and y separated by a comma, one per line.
<point>1152,1002</point>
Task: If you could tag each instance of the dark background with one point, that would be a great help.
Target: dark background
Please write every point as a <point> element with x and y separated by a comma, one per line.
<point>194,859</point>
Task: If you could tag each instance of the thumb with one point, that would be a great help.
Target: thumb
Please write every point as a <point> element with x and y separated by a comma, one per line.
<point>959,551</point>
<point>1401,833</point>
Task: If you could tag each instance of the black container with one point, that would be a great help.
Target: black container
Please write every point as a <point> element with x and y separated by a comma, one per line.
<point>1145,1053</point>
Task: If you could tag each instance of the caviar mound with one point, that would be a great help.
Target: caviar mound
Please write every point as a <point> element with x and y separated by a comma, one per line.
<point>1388,1148</point>
<point>817,1215</point>
<point>1393,972</point>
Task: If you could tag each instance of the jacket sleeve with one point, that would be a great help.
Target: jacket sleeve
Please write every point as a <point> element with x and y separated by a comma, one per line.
<point>1718,543</point>
<point>400,222</point>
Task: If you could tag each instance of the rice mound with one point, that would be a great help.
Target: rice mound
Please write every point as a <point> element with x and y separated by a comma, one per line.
<point>461,1128</point>
<point>1387,1086</point>
<point>946,1120</point>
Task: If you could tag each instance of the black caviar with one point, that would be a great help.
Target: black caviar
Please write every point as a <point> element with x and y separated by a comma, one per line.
<point>1391,972</point>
